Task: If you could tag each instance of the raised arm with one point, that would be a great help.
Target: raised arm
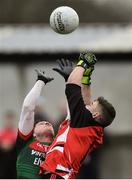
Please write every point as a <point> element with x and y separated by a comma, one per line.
<point>82,75</point>
<point>86,88</point>
<point>83,69</point>
<point>86,81</point>
<point>79,95</point>
<point>76,76</point>
<point>26,122</point>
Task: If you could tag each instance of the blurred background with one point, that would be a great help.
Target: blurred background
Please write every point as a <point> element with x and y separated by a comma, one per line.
<point>27,42</point>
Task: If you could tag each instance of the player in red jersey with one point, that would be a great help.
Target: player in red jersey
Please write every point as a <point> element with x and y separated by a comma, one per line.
<point>32,140</point>
<point>82,131</point>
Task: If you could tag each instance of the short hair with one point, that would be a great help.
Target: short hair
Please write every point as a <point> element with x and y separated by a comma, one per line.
<point>39,117</point>
<point>108,112</point>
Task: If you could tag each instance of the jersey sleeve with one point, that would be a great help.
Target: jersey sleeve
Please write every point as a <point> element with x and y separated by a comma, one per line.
<point>26,122</point>
<point>79,115</point>
<point>22,140</point>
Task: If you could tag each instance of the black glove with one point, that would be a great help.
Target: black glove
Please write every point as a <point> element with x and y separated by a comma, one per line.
<point>86,60</point>
<point>42,77</point>
<point>65,68</point>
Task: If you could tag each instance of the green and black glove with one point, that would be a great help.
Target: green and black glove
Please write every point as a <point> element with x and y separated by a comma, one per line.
<point>86,60</point>
<point>86,79</point>
<point>42,77</point>
<point>65,68</point>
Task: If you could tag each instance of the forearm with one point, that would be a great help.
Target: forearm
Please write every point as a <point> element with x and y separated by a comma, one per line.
<point>75,78</point>
<point>26,122</point>
<point>76,75</point>
<point>86,94</point>
<point>32,97</point>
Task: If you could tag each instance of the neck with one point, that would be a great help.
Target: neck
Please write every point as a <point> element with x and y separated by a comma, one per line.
<point>48,139</point>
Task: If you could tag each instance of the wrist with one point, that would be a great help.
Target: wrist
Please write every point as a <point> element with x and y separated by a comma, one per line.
<point>40,82</point>
<point>82,64</point>
<point>39,79</point>
<point>86,80</point>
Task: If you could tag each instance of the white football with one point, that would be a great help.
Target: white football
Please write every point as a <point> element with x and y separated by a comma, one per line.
<point>64,20</point>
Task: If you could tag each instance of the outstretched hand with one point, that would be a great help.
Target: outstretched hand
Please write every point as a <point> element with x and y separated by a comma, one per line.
<point>41,76</point>
<point>65,68</point>
<point>88,58</point>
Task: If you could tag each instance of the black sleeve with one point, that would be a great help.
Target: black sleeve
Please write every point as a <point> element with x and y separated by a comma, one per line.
<point>80,116</point>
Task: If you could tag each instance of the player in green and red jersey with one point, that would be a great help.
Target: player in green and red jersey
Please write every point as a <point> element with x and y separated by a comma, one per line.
<point>32,140</point>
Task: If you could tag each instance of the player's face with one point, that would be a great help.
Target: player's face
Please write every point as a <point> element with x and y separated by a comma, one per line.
<point>94,109</point>
<point>93,106</point>
<point>43,130</point>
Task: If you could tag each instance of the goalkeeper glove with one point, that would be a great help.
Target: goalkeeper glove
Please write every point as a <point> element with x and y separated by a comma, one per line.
<point>86,79</point>
<point>86,60</point>
<point>42,77</point>
<point>65,68</point>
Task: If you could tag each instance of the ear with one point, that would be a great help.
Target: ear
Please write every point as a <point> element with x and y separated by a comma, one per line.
<point>96,115</point>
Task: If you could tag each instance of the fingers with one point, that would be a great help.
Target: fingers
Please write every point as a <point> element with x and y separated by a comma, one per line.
<point>64,62</point>
<point>57,70</point>
<point>60,72</point>
<point>36,70</point>
<point>70,63</point>
<point>39,71</point>
<point>67,62</point>
<point>60,63</point>
<point>51,79</point>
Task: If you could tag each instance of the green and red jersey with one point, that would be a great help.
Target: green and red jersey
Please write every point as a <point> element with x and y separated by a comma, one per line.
<point>30,153</point>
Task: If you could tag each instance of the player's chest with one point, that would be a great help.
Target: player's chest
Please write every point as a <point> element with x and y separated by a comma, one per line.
<point>37,152</point>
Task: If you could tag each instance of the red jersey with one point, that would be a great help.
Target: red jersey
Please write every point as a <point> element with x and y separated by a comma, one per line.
<point>76,137</point>
<point>8,136</point>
